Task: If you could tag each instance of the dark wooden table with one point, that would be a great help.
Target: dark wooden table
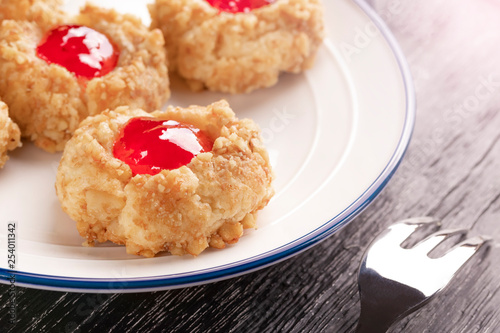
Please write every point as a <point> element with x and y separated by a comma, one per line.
<point>451,171</point>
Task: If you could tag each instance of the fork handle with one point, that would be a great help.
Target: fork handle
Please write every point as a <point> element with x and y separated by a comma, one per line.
<point>373,322</point>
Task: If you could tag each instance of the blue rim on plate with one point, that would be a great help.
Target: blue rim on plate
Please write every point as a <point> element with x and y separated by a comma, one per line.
<point>265,259</point>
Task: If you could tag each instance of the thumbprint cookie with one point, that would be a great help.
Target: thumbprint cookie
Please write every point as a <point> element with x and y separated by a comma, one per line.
<point>237,46</point>
<point>53,78</point>
<point>177,181</point>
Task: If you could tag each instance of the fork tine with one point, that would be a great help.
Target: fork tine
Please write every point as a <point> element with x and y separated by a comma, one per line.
<point>400,231</point>
<point>433,240</point>
<point>460,253</point>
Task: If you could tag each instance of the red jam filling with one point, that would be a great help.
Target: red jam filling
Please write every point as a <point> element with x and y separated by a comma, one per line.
<point>149,145</point>
<point>239,6</point>
<point>79,49</point>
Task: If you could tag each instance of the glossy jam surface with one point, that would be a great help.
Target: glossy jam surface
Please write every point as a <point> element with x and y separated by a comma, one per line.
<point>149,145</point>
<point>239,6</point>
<point>81,50</point>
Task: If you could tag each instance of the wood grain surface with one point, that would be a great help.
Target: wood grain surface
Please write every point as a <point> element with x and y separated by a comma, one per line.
<point>451,171</point>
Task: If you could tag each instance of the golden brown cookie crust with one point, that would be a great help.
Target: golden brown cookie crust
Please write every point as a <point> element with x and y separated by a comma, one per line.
<point>45,13</point>
<point>10,136</point>
<point>48,102</point>
<point>205,203</point>
<point>238,52</point>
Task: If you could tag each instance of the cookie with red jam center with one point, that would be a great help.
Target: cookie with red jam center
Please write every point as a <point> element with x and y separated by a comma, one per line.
<point>237,46</point>
<point>178,181</point>
<point>54,77</point>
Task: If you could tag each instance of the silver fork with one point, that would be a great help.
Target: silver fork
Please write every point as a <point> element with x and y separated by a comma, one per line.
<point>394,282</point>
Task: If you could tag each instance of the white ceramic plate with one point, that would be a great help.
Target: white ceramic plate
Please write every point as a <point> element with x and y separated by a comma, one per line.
<point>335,136</point>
